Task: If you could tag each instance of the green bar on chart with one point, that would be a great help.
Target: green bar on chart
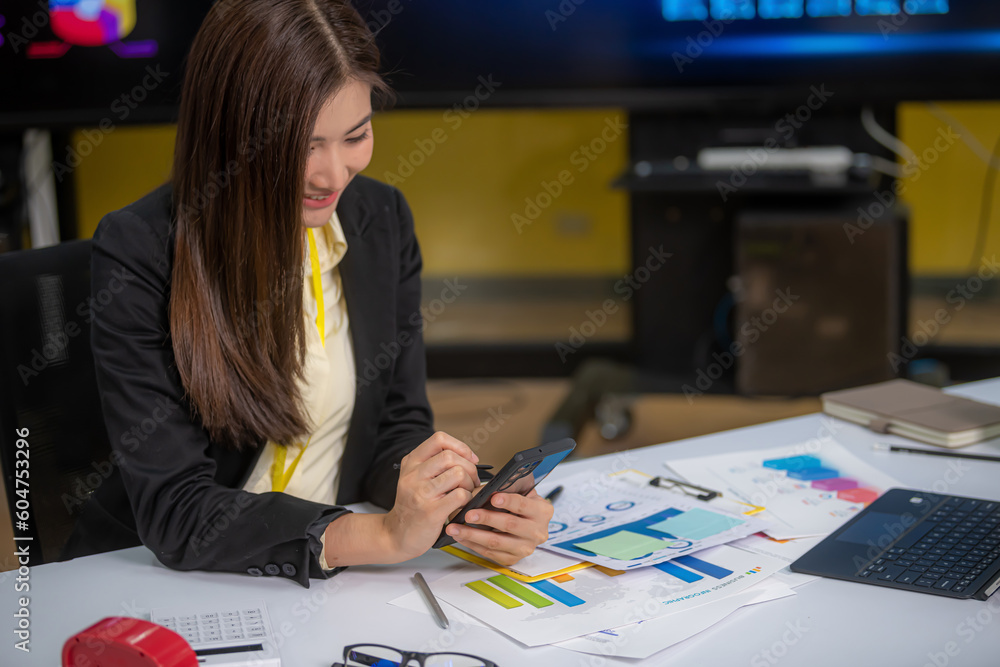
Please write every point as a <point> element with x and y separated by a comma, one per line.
<point>517,590</point>
<point>623,545</point>
<point>492,594</point>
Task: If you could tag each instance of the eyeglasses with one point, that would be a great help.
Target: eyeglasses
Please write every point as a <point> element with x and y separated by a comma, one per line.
<point>375,655</point>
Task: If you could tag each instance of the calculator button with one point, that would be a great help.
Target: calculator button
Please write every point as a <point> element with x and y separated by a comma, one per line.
<point>230,614</point>
<point>235,635</point>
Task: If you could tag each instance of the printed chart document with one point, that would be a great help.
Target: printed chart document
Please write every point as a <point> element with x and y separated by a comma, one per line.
<point>808,489</point>
<point>592,600</point>
<point>786,550</point>
<point>645,638</point>
<point>612,522</point>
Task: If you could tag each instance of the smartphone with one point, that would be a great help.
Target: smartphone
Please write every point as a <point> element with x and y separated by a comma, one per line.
<point>519,475</point>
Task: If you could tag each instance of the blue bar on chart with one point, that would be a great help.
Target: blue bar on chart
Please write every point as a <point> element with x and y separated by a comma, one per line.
<point>687,576</point>
<point>704,567</point>
<point>810,474</point>
<point>557,593</point>
<point>793,463</point>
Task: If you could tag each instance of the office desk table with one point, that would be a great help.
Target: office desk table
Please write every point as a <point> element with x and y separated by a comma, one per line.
<point>827,623</point>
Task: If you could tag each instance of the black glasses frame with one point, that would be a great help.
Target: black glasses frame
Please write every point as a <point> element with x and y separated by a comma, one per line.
<point>407,656</point>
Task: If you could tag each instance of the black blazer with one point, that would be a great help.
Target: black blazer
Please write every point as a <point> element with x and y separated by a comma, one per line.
<point>174,489</point>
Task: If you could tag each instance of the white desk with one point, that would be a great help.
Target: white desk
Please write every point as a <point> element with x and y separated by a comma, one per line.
<point>839,623</point>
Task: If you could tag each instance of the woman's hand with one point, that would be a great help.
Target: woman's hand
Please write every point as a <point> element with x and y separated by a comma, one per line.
<point>524,528</point>
<point>435,479</point>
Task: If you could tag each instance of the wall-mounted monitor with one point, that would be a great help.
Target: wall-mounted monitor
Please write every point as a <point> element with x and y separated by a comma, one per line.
<point>87,62</point>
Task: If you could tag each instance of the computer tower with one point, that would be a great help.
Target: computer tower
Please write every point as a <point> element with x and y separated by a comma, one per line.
<point>821,298</point>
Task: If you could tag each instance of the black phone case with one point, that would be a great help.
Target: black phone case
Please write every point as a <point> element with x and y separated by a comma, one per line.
<point>520,465</point>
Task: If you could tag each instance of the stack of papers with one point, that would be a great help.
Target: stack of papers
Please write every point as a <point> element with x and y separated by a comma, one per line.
<point>637,568</point>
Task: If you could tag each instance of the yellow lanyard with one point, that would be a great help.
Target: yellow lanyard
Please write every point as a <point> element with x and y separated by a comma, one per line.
<point>279,476</point>
<point>317,287</point>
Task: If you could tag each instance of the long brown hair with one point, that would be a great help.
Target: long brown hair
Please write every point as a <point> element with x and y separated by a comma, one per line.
<point>257,75</point>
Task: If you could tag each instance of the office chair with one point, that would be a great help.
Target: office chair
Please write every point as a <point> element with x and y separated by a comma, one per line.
<point>48,386</point>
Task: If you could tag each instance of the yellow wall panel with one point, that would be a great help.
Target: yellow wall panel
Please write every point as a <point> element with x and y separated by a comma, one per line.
<point>118,167</point>
<point>945,197</point>
<point>467,178</point>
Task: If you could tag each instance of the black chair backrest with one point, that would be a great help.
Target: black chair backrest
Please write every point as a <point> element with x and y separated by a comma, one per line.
<point>48,393</point>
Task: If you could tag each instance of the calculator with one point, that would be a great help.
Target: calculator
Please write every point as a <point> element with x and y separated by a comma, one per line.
<point>230,636</point>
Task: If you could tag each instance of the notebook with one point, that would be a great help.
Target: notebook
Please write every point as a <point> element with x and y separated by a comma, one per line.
<point>916,411</point>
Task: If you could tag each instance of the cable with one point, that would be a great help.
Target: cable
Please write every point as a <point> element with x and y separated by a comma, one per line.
<point>986,208</point>
<point>968,138</point>
<point>884,137</point>
<point>879,164</point>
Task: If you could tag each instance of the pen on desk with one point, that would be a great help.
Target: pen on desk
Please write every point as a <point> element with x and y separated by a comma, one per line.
<point>552,495</point>
<point>431,600</point>
<point>886,447</point>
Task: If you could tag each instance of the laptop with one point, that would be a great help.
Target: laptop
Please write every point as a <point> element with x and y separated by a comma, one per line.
<point>915,541</point>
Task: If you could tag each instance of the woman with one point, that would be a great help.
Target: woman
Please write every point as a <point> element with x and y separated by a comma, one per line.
<point>259,283</point>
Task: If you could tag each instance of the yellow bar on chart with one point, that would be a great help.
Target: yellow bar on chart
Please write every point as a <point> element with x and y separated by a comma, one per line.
<point>492,594</point>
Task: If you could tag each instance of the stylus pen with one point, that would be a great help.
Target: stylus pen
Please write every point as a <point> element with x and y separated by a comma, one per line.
<point>431,600</point>
<point>883,446</point>
<point>553,494</point>
<point>479,466</point>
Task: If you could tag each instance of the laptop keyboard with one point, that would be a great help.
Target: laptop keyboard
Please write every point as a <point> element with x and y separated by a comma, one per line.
<point>949,550</point>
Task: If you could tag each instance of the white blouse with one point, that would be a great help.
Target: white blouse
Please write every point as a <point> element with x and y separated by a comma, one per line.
<point>327,388</point>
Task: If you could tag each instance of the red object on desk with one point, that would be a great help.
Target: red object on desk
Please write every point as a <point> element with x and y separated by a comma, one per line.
<point>119,641</point>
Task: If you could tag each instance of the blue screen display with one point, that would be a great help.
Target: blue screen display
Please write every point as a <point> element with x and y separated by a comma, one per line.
<point>699,10</point>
